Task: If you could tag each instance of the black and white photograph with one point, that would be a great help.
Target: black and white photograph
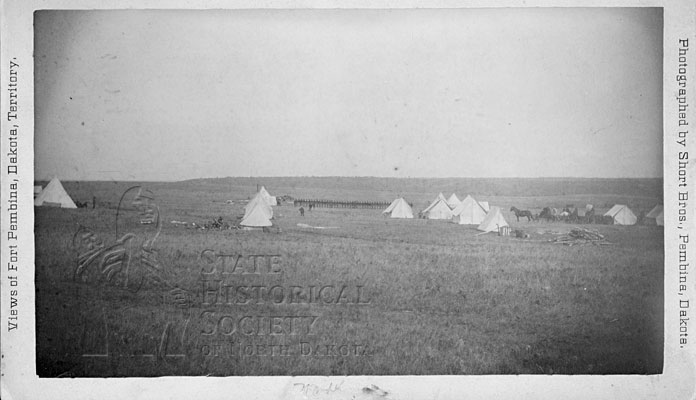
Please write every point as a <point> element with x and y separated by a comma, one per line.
<point>351,192</point>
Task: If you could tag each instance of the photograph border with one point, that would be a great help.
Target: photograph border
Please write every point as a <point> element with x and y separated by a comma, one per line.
<point>19,379</point>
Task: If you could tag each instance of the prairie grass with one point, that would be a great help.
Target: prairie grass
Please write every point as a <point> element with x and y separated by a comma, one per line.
<point>443,299</point>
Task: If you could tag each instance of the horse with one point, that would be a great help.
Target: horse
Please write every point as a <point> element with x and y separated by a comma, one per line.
<point>522,213</point>
<point>589,215</point>
<point>574,217</point>
<point>564,215</point>
<point>547,214</point>
<point>568,215</point>
<point>301,211</point>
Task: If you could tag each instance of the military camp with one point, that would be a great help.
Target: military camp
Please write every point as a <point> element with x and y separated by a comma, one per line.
<point>326,193</point>
<point>486,260</point>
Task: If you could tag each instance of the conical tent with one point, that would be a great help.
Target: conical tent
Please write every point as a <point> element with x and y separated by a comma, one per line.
<point>493,221</point>
<point>440,210</point>
<point>54,194</point>
<point>453,201</point>
<point>622,215</point>
<point>391,206</point>
<point>270,200</point>
<point>258,201</point>
<point>440,197</point>
<point>485,206</point>
<point>660,219</point>
<point>469,211</point>
<point>402,210</point>
<point>256,218</point>
<point>399,208</point>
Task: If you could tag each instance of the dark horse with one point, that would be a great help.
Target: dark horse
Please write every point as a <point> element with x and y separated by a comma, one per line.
<point>522,213</point>
<point>589,216</point>
<point>570,216</point>
<point>547,214</point>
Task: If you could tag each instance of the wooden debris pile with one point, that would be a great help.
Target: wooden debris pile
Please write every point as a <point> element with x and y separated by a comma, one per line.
<point>580,236</point>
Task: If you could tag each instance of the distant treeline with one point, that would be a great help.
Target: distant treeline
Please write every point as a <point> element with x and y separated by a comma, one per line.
<point>369,186</point>
<point>340,203</point>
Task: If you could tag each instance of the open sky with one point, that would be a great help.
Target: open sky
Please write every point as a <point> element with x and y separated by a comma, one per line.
<point>172,95</point>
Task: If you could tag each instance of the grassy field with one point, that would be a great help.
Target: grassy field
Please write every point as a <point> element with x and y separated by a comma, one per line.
<point>435,297</point>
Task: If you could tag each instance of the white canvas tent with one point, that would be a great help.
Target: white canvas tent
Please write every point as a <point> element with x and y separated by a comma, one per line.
<point>453,201</point>
<point>494,220</point>
<point>54,195</point>
<point>469,211</point>
<point>622,215</point>
<point>439,210</point>
<point>258,201</point>
<point>256,217</point>
<point>391,206</point>
<point>266,197</point>
<point>657,210</point>
<point>399,208</point>
<point>485,206</point>
<point>658,214</point>
<point>440,197</point>
<point>270,200</point>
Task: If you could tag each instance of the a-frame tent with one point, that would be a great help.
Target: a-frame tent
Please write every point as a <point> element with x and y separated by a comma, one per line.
<point>453,201</point>
<point>54,195</point>
<point>485,206</point>
<point>657,214</point>
<point>660,219</point>
<point>440,197</point>
<point>622,215</point>
<point>399,208</point>
<point>494,220</point>
<point>439,210</point>
<point>655,211</point>
<point>469,212</point>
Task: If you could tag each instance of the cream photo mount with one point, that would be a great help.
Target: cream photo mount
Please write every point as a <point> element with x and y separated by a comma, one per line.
<point>20,378</point>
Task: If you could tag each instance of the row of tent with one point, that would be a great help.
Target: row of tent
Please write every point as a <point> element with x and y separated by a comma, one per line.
<point>623,215</point>
<point>465,212</point>
<point>259,212</point>
<point>472,212</point>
